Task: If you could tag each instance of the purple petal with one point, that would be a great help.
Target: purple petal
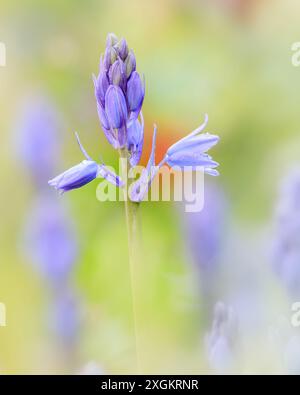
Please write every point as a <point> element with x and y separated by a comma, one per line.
<point>130,64</point>
<point>201,143</point>
<point>75,177</point>
<point>115,107</point>
<point>135,93</point>
<point>111,137</point>
<point>101,85</point>
<point>190,158</point>
<point>117,74</point>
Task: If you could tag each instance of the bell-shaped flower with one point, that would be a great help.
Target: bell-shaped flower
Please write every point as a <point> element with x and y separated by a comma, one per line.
<point>188,152</point>
<point>116,112</point>
<point>135,94</point>
<point>191,151</point>
<point>83,173</point>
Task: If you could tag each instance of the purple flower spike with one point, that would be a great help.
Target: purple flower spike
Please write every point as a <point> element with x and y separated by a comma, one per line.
<point>119,92</point>
<point>135,94</point>
<point>83,173</point>
<point>135,140</point>
<point>191,151</point>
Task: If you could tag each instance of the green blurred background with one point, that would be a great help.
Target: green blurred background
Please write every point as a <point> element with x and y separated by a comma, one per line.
<point>231,59</point>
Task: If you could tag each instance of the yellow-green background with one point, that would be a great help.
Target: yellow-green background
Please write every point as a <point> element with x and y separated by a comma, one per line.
<point>197,57</point>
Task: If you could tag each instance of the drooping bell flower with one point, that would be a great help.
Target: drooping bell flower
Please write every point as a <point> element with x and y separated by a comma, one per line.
<point>83,173</point>
<point>189,152</point>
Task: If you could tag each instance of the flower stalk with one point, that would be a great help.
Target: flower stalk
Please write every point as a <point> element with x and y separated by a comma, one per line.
<point>133,225</point>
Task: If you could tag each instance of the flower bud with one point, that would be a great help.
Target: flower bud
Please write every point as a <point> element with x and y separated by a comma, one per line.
<point>101,85</point>
<point>110,57</point>
<point>115,107</point>
<point>111,40</point>
<point>130,63</point>
<point>122,48</point>
<point>117,74</point>
<point>76,176</point>
<point>135,93</point>
<point>102,116</point>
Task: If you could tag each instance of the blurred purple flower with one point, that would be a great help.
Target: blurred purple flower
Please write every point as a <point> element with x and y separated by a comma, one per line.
<point>204,229</point>
<point>286,250</point>
<point>37,131</point>
<point>221,341</point>
<point>49,241</point>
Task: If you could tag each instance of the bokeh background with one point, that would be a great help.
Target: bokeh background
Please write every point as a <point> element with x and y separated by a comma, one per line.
<point>218,286</point>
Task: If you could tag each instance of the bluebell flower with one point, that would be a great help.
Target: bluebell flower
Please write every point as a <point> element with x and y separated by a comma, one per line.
<point>83,173</point>
<point>119,92</point>
<point>188,152</point>
<point>49,242</point>
<point>191,151</point>
<point>37,131</point>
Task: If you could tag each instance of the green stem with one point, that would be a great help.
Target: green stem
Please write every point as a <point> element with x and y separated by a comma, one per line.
<point>134,243</point>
